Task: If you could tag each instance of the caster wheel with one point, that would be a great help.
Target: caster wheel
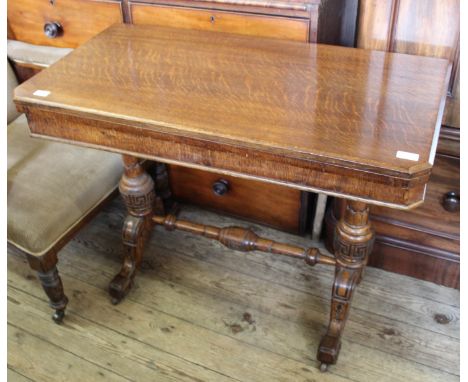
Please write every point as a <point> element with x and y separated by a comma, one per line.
<point>58,316</point>
<point>115,300</point>
<point>323,367</point>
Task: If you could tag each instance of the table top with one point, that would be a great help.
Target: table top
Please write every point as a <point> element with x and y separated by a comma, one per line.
<point>365,110</point>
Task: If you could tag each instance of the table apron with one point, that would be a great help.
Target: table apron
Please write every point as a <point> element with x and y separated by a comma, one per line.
<point>331,179</point>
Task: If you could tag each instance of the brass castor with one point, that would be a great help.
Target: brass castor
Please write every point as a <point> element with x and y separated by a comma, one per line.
<point>323,367</point>
<point>58,316</point>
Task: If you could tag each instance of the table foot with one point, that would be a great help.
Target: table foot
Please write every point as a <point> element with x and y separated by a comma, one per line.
<point>119,288</point>
<point>329,349</point>
<point>353,242</point>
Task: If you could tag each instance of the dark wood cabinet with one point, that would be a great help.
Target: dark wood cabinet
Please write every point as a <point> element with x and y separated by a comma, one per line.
<point>427,28</point>
<point>424,242</point>
<point>331,21</point>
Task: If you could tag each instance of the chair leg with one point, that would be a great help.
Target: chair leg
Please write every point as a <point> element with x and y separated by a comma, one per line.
<point>46,268</point>
<point>353,242</point>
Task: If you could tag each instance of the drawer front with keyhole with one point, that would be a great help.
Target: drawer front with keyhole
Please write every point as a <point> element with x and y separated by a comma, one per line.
<point>287,28</point>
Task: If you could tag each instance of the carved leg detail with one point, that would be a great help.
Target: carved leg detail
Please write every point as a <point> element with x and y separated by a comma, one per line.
<point>137,190</point>
<point>51,283</point>
<point>353,242</point>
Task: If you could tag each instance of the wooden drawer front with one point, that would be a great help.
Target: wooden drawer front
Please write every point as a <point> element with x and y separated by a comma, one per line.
<point>266,203</point>
<point>431,217</point>
<point>80,20</point>
<point>221,21</point>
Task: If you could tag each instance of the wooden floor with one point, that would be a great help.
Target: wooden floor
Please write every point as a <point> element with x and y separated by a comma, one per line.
<point>200,312</point>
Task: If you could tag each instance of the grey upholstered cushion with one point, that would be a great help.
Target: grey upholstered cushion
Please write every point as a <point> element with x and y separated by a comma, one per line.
<point>52,186</point>
<point>35,54</point>
<point>12,83</point>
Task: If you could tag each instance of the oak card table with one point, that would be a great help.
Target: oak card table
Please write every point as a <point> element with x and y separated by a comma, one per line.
<point>357,124</point>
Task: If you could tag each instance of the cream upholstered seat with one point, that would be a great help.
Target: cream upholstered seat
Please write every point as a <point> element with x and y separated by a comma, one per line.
<point>52,188</point>
<point>37,55</point>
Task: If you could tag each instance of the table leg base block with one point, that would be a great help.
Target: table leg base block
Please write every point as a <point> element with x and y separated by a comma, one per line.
<point>119,288</point>
<point>328,350</point>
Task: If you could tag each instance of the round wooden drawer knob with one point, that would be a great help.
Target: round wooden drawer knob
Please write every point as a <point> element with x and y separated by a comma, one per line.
<point>451,201</point>
<point>53,29</point>
<point>220,187</point>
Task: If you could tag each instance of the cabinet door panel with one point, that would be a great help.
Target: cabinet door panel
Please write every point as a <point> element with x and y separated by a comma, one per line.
<point>420,27</point>
<point>375,24</point>
<point>427,28</point>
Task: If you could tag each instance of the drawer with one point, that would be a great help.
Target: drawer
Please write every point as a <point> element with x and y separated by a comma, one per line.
<point>439,215</point>
<point>424,242</point>
<point>266,203</point>
<point>79,20</point>
<point>449,141</point>
<point>287,28</point>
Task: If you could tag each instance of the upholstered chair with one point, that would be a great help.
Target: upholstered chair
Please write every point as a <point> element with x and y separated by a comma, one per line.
<point>53,189</point>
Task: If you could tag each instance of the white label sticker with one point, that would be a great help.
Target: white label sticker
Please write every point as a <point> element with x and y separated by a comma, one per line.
<point>407,155</point>
<point>41,93</point>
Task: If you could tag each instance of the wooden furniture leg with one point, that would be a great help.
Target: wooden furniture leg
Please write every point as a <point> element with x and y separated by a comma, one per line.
<point>164,200</point>
<point>353,242</point>
<point>46,268</point>
<point>137,190</point>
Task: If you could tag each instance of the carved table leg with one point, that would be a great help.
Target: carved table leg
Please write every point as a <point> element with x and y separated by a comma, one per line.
<point>353,242</point>
<point>46,267</point>
<point>137,190</point>
<point>164,200</point>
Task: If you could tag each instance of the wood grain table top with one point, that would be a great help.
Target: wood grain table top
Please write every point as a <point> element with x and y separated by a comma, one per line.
<point>376,114</point>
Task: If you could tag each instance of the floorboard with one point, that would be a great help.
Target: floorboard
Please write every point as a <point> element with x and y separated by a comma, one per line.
<point>201,312</point>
